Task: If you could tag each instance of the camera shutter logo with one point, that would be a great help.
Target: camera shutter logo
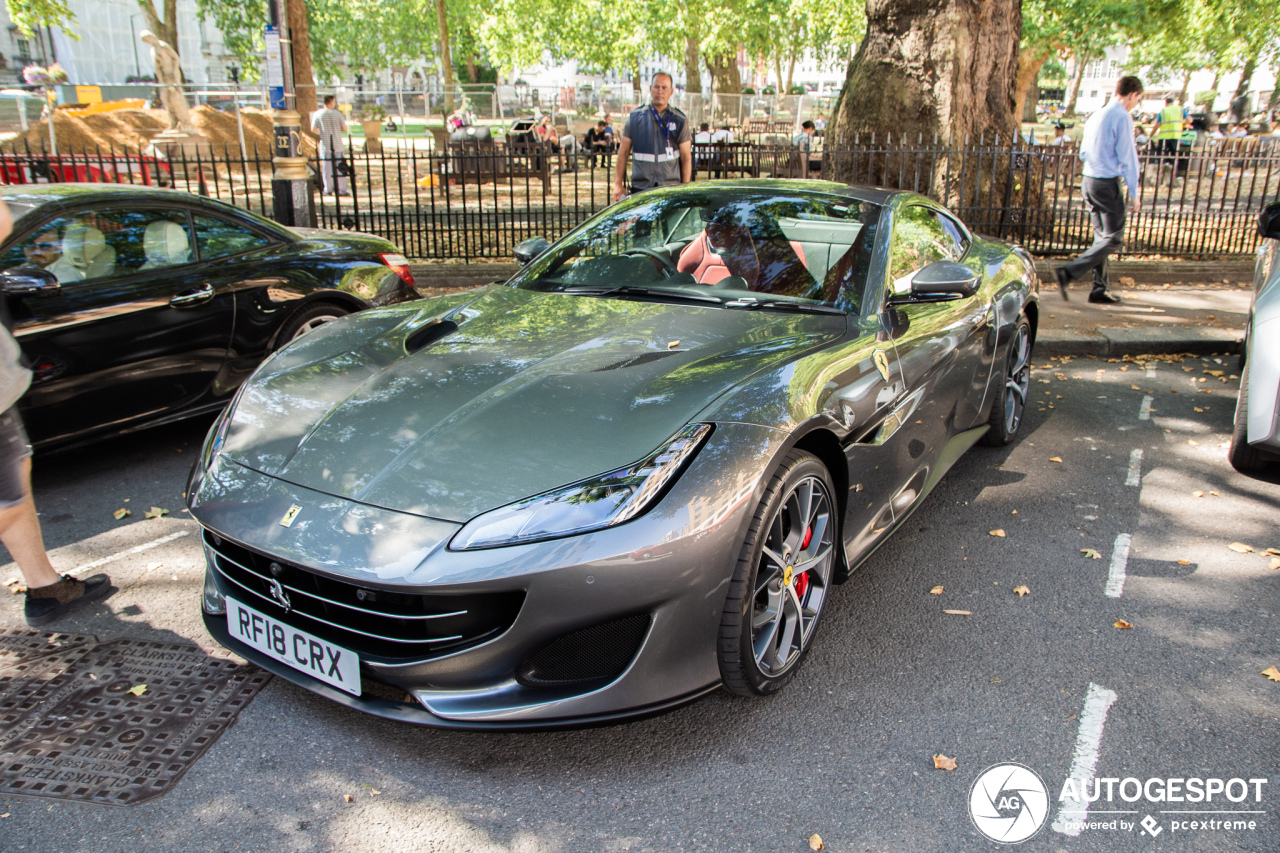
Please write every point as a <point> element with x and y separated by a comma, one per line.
<point>1008,803</point>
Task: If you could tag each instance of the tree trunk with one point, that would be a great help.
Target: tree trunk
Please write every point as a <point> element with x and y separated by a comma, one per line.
<point>635,80</point>
<point>692,70</point>
<point>446,58</point>
<point>777,69</point>
<point>304,82</point>
<point>947,67</point>
<point>1186,84</point>
<point>473,67</point>
<point>791,72</point>
<point>1027,87</point>
<point>725,78</point>
<point>1238,111</point>
<point>1274,100</point>
<point>1073,91</point>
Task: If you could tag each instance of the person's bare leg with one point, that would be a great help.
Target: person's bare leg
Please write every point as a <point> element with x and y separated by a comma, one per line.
<point>20,533</point>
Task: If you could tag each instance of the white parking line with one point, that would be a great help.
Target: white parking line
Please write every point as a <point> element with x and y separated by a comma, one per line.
<point>1144,414</point>
<point>1073,810</point>
<point>145,546</point>
<point>1135,469</point>
<point>1119,561</point>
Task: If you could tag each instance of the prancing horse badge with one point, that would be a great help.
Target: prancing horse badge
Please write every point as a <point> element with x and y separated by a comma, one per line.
<point>881,360</point>
<point>289,516</point>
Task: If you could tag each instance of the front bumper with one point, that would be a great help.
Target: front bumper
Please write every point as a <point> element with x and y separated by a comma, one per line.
<point>671,564</point>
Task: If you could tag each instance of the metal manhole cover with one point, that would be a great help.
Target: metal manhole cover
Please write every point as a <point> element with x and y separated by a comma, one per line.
<point>72,726</point>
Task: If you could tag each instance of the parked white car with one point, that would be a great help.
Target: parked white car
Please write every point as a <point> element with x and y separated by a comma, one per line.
<point>1255,440</point>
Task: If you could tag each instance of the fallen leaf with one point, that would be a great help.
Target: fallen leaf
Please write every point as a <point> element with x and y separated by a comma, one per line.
<point>1184,562</point>
<point>1120,623</point>
<point>346,798</point>
<point>1271,673</point>
<point>1275,562</point>
<point>12,581</point>
<point>1072,717</point>
<point>18,590</point>
<point>1240,548</point>
<point>157,512</point>
<point>1198,409</point>
<point>1055,458</point>
<point>138,689</point>
<point>1091,554</point>
<point>1021,591</point>
<point>998,533</point>
<point>937,590</point>
<point>1197,494</point>
<point>1015,512</point>
<point>1215,372</point>
<point>959,612</point>
<point>815,842</point>
<point>122,513</point>
<point>673,345</point>
<point>1215,494</point>
<point>372,789</point>
<point>1270,552</point>
<point>941,762</point>
<point>1135,387</point>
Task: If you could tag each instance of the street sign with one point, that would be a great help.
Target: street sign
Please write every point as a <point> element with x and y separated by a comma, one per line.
<point>275,68</point>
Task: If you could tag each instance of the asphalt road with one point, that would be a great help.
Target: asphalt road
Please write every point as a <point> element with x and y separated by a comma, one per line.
<point>1044,680</point>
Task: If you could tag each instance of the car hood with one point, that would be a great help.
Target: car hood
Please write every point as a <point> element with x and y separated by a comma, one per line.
<point>530,392</point>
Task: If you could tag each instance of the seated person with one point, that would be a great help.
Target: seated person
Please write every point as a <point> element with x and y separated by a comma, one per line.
<point>724,134</point>
<point>544,131</point>
<point>598,141</point>
<point>45,251</point>
<point>703,136</point>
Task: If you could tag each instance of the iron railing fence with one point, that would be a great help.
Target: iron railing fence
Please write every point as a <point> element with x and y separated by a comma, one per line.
<point>477,202</point>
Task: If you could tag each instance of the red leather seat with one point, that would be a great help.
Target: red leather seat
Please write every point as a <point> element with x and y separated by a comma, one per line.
<point>722,250</point>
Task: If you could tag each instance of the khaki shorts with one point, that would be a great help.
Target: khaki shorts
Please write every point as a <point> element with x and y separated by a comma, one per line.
<point>14,450</point>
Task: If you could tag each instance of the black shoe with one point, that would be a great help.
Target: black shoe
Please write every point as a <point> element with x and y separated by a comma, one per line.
<point>1103,298</point>
<point>47,603</point>
<point>1061,275</point>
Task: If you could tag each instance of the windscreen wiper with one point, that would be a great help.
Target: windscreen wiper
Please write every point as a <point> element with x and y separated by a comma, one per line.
<point>638,290</point>
<point>783,305</point>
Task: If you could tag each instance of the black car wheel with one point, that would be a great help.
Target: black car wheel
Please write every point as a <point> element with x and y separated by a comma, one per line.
<point>782,579</point>
<point>309,319</point>
<point>1243,457</point>
<point>1011,403</point>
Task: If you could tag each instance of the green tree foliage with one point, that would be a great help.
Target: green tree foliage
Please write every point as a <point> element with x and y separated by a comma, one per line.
<point>30,14</point>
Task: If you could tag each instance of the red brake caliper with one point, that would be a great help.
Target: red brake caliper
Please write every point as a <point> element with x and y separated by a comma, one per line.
<point>802,580</point>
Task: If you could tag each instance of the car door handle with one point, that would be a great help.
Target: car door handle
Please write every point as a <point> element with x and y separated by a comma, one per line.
<point>193,297</point>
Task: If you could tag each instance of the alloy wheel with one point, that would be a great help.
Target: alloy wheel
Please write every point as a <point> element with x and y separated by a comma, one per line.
<point>793,577</point>
<point>1017,380</point>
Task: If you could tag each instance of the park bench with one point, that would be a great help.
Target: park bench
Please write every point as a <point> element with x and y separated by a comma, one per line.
<point>484,161</point>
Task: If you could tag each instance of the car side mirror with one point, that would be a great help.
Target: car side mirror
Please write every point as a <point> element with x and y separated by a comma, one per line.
<point>29,281</point>
<point>944,280</point>
<point>1269,221</point>
<point>531,248</point>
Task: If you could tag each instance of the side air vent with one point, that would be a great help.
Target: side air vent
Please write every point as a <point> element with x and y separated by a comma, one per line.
<point>598,653</point>
<point>429,334</point>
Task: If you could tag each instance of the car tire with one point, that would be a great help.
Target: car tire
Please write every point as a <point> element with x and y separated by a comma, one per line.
<point>1243,457</point>
<point>309,319</point>
<point>1010,404</point>
<point>771,612</point>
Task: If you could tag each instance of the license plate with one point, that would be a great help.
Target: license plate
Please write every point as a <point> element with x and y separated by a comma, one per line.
<point>305,652</point>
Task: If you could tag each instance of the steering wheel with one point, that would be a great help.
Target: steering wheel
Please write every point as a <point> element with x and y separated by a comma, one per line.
<point>665,266</point>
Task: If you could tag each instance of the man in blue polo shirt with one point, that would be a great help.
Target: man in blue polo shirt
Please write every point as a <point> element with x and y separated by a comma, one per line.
<point>1108,152</point>
<point>659,141</point>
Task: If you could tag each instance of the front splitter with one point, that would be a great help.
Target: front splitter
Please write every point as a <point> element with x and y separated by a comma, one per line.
<point>216,625</point>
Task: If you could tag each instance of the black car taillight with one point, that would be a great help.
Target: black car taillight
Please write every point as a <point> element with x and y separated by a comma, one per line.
<point>399,265</point>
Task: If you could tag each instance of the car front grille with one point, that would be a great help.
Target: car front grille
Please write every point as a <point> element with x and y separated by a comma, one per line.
<point>379,625</point>
<point>596,654</point>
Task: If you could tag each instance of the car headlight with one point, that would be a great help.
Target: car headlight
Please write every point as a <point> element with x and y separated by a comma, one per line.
<point>591,504</point>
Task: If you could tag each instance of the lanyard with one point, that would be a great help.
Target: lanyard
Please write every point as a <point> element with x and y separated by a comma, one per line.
<point>666,132</point>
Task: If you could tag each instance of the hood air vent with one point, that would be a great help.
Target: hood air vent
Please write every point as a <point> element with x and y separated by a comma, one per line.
<point>429,334</point>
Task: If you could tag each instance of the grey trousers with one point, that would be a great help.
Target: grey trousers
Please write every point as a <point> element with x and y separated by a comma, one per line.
<point>1106,212</point>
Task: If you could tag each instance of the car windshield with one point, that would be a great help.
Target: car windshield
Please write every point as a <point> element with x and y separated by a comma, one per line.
<point>741,246</point>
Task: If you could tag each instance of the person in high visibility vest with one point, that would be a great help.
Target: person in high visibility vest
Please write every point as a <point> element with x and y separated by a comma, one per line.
<point>1169,135</point>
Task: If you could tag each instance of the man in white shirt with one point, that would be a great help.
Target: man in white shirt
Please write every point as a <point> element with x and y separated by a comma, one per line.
<point>330,125</point>
<point>723,134</point>
<point>703,136</point>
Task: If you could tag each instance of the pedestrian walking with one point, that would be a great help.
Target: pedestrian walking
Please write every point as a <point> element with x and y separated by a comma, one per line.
<point>657,137</point>
<point>330,125</point>
<point>1170,135</point>
<point>1109,155</point>
<point>49,595</point>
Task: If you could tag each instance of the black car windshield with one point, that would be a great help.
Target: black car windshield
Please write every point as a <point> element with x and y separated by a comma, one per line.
<point>742,245</point>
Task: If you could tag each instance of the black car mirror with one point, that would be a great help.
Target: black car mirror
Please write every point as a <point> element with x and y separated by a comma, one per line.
<point>1269,221</point>
<point>29,281</point>
<point>531,248</point>
<point>944,280</point>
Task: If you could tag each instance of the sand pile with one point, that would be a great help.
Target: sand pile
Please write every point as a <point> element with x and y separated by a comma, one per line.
<point>133,129</point>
